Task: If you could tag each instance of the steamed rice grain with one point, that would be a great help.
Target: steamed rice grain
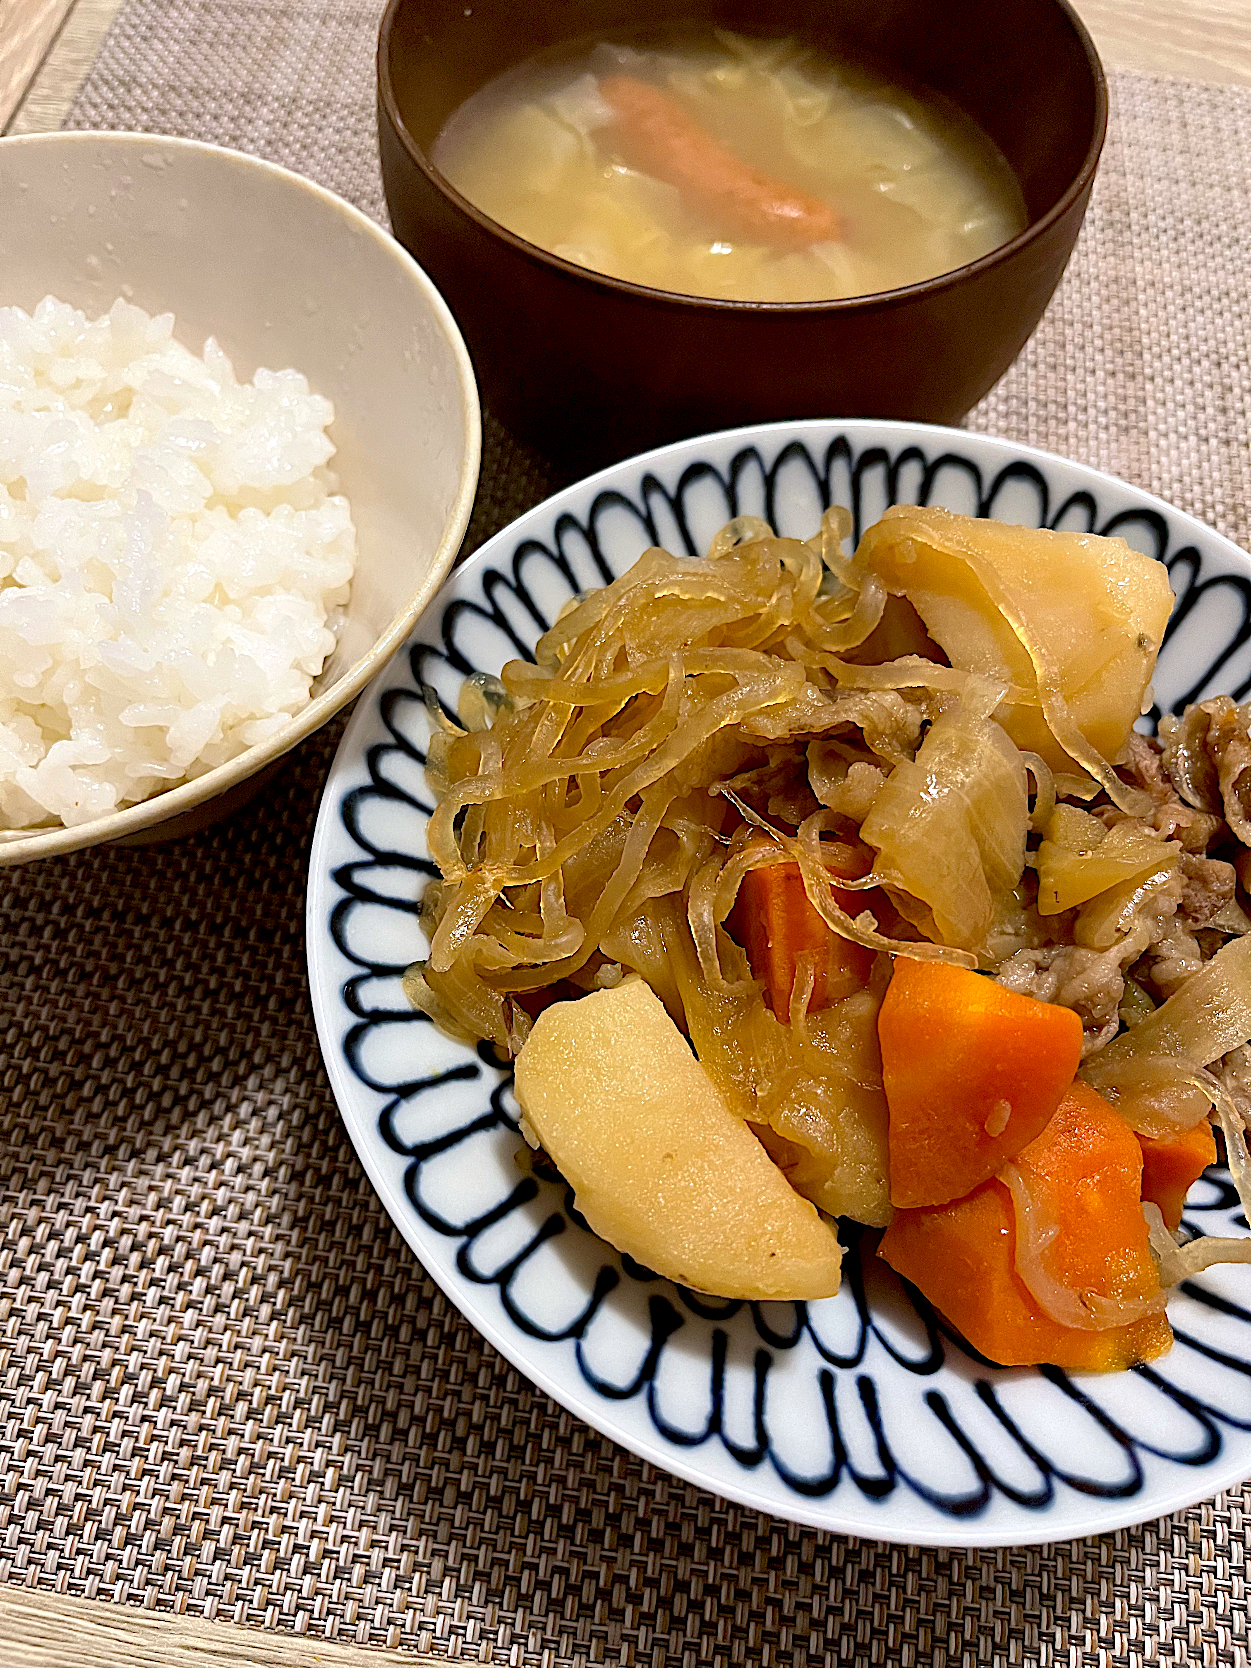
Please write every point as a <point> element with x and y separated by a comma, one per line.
<point>174,559</point>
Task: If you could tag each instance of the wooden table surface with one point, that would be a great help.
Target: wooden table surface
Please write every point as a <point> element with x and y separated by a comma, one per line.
<point>46,48</point>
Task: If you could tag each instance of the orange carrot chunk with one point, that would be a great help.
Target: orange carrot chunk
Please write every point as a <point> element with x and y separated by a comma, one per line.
<point>659,137</point>
<point>775,923</point>
<point>972,1073</point>
<point>963,1255</point>
<point>962,1258</point>
<point>1090,1164</point>
<point>1171,1164</point>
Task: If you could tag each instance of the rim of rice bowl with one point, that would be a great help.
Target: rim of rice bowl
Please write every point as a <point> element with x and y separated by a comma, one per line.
<point>24,844</point>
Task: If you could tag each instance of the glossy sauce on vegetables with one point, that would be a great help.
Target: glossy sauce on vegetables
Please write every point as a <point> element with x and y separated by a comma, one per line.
<point>734,169</point>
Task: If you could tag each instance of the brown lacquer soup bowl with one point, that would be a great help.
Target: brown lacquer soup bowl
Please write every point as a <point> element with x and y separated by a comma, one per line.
<point>594,368</point>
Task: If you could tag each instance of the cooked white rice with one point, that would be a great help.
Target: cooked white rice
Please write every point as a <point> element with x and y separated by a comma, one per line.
<point>173,559</point>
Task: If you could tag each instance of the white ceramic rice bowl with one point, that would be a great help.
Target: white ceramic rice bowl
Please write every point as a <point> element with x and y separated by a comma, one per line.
<point>282,273</point>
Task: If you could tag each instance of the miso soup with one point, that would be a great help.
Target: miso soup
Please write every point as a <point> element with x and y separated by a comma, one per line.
<point>738,169</point>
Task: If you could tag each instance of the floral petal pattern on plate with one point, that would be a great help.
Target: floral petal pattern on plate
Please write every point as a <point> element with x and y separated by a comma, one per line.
<point>862,1413</point>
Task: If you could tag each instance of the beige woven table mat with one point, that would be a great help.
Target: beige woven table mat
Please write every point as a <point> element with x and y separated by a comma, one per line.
<point>226,1388</point>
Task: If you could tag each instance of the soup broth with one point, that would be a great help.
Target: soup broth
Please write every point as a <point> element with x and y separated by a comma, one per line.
<point>735,169</point>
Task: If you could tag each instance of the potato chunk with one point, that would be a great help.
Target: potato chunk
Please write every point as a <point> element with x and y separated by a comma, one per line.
<point>659,1165</point>
<point>1094,607</point>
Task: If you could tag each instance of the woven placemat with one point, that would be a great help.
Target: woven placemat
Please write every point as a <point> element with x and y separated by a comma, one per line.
<point>226,1387</point>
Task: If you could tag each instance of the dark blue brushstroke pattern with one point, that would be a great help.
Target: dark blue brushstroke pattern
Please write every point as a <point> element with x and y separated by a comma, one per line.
<point>508,608</point>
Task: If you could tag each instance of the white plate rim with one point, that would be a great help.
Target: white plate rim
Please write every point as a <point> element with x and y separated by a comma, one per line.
<point>1100,1518</point>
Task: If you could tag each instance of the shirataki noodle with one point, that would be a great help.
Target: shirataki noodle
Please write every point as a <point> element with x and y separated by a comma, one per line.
<point>944,750</point>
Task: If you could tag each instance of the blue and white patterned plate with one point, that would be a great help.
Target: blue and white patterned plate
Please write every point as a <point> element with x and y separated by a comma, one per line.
<point>859,1413</point>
